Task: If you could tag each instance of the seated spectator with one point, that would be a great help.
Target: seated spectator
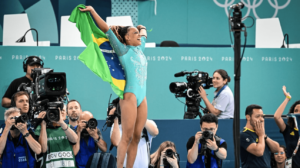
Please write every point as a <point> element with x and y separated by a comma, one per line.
<point>205,149</point>
<point>256,146</point>
<point>279,159</point>
<point>18,144</point>
<point>56,139</point>
<point>89,140</point>
<point>165,156</point>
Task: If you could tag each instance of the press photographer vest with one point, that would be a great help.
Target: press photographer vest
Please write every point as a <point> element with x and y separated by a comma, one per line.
<point>200,163</point>
<point>59,152</point>
<point>19,156</point>
<point>85,152</point>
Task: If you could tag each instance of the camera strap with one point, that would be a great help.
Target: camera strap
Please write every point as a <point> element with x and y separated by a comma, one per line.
<point>220,91</point>
<point>298,142</point>
<point>145,135</point>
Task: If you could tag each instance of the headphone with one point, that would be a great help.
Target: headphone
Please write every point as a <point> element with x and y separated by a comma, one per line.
<point>13,103</point>
<point>31,57</point>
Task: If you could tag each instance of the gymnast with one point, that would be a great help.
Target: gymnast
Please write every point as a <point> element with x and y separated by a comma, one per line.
<point>129,43</point>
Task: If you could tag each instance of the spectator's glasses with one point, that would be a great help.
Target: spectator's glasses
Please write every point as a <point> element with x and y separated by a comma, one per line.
<point>281,153</point>
<point>208,129</point>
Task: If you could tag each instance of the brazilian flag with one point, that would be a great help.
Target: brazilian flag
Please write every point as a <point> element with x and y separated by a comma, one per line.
<point>98,56</point>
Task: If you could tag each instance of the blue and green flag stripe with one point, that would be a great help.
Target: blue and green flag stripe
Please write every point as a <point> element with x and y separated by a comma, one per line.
<point>98,56</point>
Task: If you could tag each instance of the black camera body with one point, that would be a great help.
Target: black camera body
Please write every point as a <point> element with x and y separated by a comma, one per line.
<point>189,90</point>
<point>110,118</point>
<point>47,92</point>
<point>170,153</point>
<point>21,119</point>
<point>92,123</point>
<point>205,136</point>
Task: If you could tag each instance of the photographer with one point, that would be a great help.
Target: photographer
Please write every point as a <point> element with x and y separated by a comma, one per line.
<point>223,103</point>
<point>289,130</point>
<point>149,132</point>
<point>89,139</point>
<point>29,64</point>
<point>205,149</point>
<point>165,156</point>
<point>73,111</point>
<point>18,144</point>
<point>256,146</point>
<point>21,101</point>
<point>56,139</point>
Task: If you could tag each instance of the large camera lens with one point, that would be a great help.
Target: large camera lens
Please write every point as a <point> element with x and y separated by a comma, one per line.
<point>53,115</point>
<point>176,87</point>
<point>207,135</point>
<point>92,123</point>
<point>170,153</point>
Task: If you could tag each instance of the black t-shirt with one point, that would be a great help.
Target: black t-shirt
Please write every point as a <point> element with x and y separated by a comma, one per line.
<point>247,137</point>
<point>13,87</point>
<point>291,136</point>
<point>190,144</point>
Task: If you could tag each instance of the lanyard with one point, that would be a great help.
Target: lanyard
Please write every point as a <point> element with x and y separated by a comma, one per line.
<point>298,143</point>
<point>220,91</point>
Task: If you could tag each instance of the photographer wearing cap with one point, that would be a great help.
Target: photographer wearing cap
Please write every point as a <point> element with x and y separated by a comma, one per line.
<point>205,149</point>
<point>89,139</point>
<point>29,64</point>
<point>256,146</point>
<point>165,156</point>
<point>73,111</point>
<point>223,104</point>
<point>149,132</point>
<point>18,144</point>
<point>56,139</point>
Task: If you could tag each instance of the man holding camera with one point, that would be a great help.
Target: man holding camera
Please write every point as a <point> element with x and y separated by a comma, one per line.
<point>56,139</point>
<point>18,144</point>
<point>21,101</point>
<point>73,111</point>
<point>205,149</point>
<point>29,64</point>
<point>149,132</point>
<point>256,146</point>
<point>89,139</point>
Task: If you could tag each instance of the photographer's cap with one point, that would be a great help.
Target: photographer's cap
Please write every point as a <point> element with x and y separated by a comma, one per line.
<point>34,60</point>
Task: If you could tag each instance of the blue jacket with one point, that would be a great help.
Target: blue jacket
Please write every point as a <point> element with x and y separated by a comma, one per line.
<point>17,157</point>
<point>199,163</point>
<point>85,152</point>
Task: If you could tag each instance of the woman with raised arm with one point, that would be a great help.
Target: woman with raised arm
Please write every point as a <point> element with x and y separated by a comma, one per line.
<point>129,43</point>
<point>289,130</point>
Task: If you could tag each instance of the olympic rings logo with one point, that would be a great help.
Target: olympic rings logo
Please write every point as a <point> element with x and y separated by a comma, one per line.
<point>253,6</point>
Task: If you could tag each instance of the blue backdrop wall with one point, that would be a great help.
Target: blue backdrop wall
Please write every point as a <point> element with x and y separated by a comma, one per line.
<point>264,72</point>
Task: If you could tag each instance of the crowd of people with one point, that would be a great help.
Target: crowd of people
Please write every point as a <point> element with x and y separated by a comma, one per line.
<point>69,142</point>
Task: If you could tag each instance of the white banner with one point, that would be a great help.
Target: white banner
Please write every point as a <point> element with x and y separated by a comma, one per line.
<point>59,155</point>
